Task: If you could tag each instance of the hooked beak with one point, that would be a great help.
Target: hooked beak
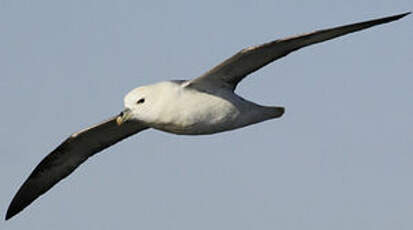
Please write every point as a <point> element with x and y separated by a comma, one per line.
<point>123,116</point>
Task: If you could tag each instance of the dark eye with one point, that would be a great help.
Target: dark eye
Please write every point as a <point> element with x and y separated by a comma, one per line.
<point>140,101</point>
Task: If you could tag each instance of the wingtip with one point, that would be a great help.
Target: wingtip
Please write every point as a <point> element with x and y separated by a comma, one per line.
<point>407,13</point>
<point>402,15</point>
<point>11,211</point>
<point>16,206</point>
<point>389,18</point>
<point>9,214</point>
<point>396,17</point>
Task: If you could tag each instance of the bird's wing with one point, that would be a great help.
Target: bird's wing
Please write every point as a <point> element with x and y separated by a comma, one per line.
<point>67,157</point>
<point>246,61</point>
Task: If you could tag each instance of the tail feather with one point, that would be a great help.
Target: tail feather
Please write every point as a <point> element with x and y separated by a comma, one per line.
<point>277,111</point>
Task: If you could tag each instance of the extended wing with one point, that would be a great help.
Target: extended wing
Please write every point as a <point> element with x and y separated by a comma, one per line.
<point>67,157</point>
<point>248,60</point>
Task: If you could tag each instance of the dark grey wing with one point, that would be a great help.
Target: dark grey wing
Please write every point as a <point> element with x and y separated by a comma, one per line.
<point>67,157</point>
<point>248,60</point>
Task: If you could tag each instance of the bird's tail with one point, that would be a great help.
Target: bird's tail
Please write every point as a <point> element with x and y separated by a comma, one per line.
<point>277,112</point>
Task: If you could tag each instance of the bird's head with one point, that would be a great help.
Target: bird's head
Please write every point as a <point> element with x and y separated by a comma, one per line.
<point>144,104</point>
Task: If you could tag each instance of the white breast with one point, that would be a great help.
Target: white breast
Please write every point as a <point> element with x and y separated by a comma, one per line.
<point>188,111</point>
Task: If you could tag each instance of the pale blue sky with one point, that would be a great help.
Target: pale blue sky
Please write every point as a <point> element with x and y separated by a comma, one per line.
<point>340,158</point>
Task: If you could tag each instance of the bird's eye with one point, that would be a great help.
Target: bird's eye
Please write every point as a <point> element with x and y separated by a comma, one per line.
<point>140,101</point>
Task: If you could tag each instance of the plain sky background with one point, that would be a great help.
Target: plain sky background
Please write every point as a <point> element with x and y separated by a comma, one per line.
<point>340,158</point>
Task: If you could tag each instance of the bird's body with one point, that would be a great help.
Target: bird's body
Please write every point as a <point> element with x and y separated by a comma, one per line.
<point>204,105</point>
<point>175,107</point>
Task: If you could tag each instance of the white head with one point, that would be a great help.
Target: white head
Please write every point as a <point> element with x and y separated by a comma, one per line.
<point>144,103</point>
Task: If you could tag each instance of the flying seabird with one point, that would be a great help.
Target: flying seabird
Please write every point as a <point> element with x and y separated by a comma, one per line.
<point>203,105</point>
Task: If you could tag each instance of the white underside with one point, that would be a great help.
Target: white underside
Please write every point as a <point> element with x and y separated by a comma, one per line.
<point>188,111</point>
